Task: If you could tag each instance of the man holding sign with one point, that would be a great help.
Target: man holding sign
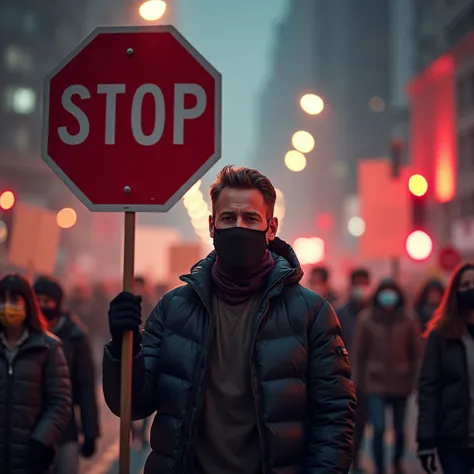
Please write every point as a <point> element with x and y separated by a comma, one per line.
<point>245,368</point>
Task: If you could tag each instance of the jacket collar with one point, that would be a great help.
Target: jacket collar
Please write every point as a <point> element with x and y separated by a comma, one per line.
<point>35,340</point>
<point>287,270</point>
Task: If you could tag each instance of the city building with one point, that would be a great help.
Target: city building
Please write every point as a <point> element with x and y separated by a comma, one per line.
<point>33,37</point>
<point>340,50</point>
<point>442,116</point>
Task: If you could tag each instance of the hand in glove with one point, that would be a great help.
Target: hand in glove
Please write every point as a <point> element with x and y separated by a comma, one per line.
<point>88,448</point>
<point>125,314</point>
<point>40,457</point>
<point>427,459</point>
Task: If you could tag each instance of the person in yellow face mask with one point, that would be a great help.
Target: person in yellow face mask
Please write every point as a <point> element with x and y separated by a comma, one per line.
<point>35,388</point>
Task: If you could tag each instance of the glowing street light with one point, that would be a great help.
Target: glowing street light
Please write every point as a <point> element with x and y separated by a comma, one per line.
<point>199,212</point>
<point>312,104</point>
<point>152,10</point>
<point>192,190</point>
<point>356,226</point>
<point>295,161</point>
<point>7,200</point>
<point>309,251</point>
<point>303,141</point>
<point>193,201</point>
<point>66,218</point>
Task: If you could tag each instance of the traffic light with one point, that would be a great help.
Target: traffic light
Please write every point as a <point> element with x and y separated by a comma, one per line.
<point>419,244</point>
<point>418,187</point>
<point>7,202</point>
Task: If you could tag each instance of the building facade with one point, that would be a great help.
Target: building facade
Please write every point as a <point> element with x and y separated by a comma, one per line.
<point>33,37</point>
<point>442,116</point>
<point>340,50</point>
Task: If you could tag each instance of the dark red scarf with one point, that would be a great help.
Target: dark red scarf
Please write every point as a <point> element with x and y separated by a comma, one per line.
<point>235,290</point>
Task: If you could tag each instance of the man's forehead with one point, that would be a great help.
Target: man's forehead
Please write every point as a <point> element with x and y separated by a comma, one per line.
<point>232,199</point>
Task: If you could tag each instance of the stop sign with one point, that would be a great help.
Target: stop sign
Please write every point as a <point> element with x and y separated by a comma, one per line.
<point>448,258</point>
<point>132,118</point>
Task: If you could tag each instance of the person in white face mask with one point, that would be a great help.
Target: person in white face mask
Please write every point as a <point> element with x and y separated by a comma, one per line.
<point>359,298</point>
<point>385,358</point>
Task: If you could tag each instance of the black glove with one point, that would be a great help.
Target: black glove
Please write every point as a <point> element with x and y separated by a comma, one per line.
<point>125,314</point>
<point>88,448</point>
<point>427,459</point>
<point>40,457</point>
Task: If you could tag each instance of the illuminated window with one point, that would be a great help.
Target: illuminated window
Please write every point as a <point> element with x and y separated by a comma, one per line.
<point>21,100</point>
<point>17,59</point>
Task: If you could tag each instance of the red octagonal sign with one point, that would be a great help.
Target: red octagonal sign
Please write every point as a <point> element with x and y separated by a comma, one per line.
<point>132,118</point>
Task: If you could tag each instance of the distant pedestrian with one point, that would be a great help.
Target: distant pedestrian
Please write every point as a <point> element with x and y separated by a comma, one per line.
<point>446,386</point>
<point>428,301</point>
<point>385,359</point>
<point>79,356</point>
<point>360,293</point>
<point>320,283</point>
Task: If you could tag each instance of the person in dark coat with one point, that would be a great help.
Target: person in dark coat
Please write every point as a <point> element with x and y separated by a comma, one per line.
<point>35,389</point>
<point>385,356</point>
<point>245,369</point>
<point>319,282</point>
<point>428,301</point>
<point>77,349</point>
<point>360,293</point>
<point>446,384</point>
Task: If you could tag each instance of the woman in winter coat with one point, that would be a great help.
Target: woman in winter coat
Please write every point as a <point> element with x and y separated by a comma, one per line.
<point>385,362</point>
<point>446,386</point>
<point>428,301</point>
<point>35,390</point>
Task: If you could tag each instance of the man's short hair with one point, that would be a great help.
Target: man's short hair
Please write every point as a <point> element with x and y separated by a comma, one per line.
<point>359,273</point>
<point>321,272</point>
<point>244,178</point>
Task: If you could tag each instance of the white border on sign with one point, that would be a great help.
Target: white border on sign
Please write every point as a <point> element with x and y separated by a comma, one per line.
<point>217,124</point>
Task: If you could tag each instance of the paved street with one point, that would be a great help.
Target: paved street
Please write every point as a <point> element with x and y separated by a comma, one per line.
<point>108,446</point>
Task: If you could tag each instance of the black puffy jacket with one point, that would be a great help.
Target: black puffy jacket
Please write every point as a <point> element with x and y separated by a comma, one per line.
<point>80,361</point>
<point>443,394</point>
<point>35,399</point>
<point>300,374</point>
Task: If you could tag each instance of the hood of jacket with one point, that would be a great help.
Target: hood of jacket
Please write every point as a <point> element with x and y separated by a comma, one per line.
<point>287,269</point>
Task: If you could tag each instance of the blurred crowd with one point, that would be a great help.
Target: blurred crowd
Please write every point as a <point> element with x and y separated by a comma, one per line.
<point>388,338</point>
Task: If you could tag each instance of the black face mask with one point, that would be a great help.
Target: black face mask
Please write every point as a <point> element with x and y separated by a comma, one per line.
<point>466,300</point>
<point>51,314</point>
<point>239,249</point>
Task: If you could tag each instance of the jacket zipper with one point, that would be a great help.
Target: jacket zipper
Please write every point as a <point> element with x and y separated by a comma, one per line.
<point>258,406</point>
<point>7,416</point>
<point>183,451</point>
